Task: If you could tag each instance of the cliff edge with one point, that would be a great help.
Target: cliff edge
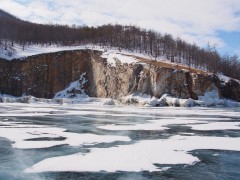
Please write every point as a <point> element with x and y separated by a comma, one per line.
<point>107,75</point>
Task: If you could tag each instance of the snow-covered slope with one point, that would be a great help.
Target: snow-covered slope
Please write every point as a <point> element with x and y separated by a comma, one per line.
<point>113,56</point>
<point>18,51</point>
<point>74,90</point>
<point>225,79</point>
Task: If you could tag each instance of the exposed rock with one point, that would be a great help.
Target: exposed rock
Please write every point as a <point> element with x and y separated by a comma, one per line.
<point>44,75</point>
<point>231,90</point>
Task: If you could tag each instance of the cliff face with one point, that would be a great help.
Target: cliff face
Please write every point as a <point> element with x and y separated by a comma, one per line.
<point>44,75</point>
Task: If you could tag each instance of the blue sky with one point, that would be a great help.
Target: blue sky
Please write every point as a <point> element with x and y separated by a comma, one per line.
<point>207,21</point>
<point>232,41</point>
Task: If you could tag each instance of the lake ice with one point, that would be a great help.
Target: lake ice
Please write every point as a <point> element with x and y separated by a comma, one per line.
<point>49,140</point>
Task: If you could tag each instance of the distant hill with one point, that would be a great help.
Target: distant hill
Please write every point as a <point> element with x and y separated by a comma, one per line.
<point>128,38</point>
<point>4,14</point>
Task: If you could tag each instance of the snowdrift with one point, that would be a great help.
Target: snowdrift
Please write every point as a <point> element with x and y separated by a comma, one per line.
<point>210,99</point>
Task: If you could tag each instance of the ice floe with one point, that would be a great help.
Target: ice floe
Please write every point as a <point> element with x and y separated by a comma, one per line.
<point>216,126</point>
<point>141,156</point>
<point>25,136</point>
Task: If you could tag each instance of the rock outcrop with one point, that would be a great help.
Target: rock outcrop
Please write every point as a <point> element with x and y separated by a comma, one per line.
<point>44,75</point>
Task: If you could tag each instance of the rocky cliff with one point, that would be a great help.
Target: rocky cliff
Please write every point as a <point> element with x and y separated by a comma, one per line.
<point>46,74</point>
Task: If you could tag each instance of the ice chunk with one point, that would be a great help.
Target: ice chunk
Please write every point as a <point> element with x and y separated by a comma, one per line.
<point>108,102</point>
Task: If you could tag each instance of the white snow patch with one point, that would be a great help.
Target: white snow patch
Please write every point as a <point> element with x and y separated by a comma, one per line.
<point>172,101</point>
<point>211,98</point>
<point>71,98</point>
<point>223,78</point>
<point>113,57</point>
<point>165,100</point>
<point>74,90</point>
<point>75,94</point>
<point>216,126</point>
<point>138,99</point>
<point>19,133</point>
<point>137,157</point>
<point>17,51</point>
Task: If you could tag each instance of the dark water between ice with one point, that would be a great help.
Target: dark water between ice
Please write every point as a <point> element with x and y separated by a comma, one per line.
<point>213,164</point>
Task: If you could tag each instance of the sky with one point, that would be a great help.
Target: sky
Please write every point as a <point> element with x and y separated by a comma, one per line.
<point>214,22</point>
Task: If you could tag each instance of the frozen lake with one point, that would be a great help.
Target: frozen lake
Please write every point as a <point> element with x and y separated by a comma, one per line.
<point>47,141</point>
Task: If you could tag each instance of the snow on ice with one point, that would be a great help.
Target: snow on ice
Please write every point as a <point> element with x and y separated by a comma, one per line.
<point>137,157</point>
<point>134,156</point>
<point>23,136</point>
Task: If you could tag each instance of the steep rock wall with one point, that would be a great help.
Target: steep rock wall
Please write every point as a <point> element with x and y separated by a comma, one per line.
<point>44,75</point>
<point>106,80</point>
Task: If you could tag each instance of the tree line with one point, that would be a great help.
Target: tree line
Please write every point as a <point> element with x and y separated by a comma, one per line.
<point>129,38</point>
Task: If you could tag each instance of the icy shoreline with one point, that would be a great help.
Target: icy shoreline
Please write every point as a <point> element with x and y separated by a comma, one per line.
<point>210,99</point>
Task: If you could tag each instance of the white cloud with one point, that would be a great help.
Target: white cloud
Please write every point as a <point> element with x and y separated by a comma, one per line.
<point>193,20</point>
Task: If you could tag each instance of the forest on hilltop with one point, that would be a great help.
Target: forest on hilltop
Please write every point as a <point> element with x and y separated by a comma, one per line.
<point>129,38</point>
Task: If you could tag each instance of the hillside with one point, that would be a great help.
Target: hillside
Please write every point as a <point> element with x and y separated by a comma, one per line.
<point>107,74</point>
<point>110,61</point>
<point>16,35</point>
<point>4,14</point>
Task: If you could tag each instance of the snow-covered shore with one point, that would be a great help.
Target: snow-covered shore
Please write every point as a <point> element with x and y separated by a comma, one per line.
<point>210,99</point>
